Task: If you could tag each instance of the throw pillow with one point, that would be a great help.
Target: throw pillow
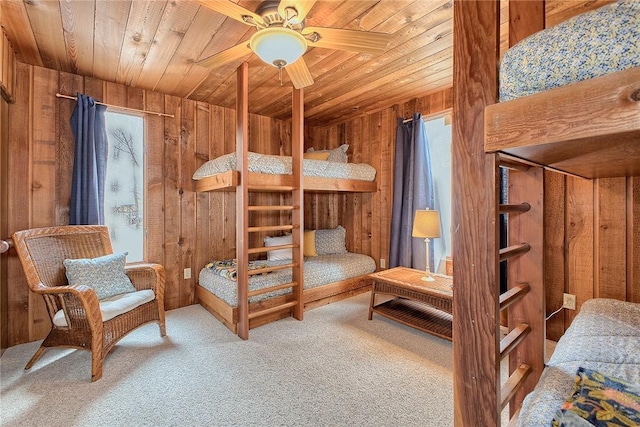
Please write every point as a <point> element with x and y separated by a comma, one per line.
<point>309,243</point>
<point>331,241</point>
<point>317,155</point>
<point>279,254</point>
<point>336,155</point>
<point>105,275</point>
<point>600,400</point>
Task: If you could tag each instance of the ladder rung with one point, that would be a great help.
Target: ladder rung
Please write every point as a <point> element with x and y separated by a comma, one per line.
<point>263,249</point>
<point>512,164</point>
<point>522,207</point>
<point>513,295</point>
<point>271,228</point>
<point>275,188</point>
<point>272,309</point>
<point>270,269</point>
<point>272,208</point>
<point>272,289</point>
<point>513,338</point>
<point>514,382</point>
<point>514,250</point>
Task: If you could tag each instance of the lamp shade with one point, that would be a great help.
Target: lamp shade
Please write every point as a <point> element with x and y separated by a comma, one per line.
<point>278,46</point>
<point>426,223</point>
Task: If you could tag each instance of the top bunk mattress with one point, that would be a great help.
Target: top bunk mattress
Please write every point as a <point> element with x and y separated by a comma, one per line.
<point>281,165</point>
<point>589,45</point>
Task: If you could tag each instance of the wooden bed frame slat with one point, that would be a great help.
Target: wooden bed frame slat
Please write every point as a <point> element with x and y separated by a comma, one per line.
<point>589,128</point>
<point>229,180</point>
<point>312,298</point>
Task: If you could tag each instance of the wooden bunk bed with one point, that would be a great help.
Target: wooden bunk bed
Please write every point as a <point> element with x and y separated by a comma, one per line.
<point>245,315</point>
<point>589,129</point>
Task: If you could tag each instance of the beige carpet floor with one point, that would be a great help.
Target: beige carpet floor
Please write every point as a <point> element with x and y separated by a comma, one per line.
<point>335,368</point>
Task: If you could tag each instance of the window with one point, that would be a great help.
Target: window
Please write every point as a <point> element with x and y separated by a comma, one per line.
<point>124,188</point>
<point>439,139</point>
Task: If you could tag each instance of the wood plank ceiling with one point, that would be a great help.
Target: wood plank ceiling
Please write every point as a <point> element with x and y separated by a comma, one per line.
<point>153,45</point>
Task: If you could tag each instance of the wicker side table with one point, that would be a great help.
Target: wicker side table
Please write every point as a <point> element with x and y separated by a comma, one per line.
<point>426,306</point>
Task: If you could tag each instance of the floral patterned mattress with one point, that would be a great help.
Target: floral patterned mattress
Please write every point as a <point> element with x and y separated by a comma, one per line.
<point>270,164</point>
<point>318,270</point>
<point>605,337</point>
<point>589,45</point>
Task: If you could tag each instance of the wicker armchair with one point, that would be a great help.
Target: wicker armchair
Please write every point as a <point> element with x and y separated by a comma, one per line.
<point>42,252</point>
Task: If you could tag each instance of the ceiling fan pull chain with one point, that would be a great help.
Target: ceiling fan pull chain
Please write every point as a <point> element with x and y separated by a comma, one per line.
<point>280,75</point>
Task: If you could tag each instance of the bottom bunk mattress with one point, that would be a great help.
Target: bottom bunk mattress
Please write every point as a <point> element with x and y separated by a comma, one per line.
<point>318,270</point>
<point>603,341</point>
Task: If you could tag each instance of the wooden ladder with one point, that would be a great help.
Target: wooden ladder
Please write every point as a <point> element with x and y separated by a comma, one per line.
<point>524,298</point>
<point>295,306</point>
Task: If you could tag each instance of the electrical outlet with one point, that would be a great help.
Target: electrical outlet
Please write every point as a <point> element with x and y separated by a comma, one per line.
<point>569,301</point>
<point>187,273</point>
<point>383,263</point>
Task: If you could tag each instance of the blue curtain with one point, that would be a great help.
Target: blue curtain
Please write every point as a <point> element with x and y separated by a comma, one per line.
<point>412,190</point>
<point>89,163</point>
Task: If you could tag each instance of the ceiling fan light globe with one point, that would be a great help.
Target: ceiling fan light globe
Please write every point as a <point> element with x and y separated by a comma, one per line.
<point>278,45</point>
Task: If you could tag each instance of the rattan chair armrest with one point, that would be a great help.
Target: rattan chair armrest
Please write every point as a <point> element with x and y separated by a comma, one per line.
<point>72,298</point>
<point>146,276</point>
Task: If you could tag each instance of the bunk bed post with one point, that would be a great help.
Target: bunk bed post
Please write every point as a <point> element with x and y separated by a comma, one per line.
<point>476,352</point>
<point>242,197</point>
<point>297,197</point>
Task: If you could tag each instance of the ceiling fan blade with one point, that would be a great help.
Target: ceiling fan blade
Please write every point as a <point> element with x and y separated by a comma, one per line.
<point>226,56</point>
<point>234,11</point>
<point>301,6</point>
<point>299,74</point>
<point>351,40</point>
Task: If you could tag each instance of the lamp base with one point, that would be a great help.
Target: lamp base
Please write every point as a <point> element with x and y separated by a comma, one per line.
<point>428,279</point>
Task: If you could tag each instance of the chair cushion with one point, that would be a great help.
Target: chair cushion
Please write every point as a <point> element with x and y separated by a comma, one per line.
<point>114,306</point>
<point>105,275</point>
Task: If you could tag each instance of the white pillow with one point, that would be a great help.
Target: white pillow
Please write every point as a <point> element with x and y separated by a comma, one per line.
<point>279,254</point>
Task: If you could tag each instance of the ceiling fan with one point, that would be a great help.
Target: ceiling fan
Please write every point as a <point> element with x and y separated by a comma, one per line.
<point>282,38</point>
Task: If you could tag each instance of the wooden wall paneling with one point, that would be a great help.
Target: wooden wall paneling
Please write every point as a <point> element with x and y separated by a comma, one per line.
<point>554,251</point>
<point>95,88</point>
<point>19,201</point>
<point>217,208</point>
<point>4,229</point>
<point>610,242</point>
<point>375,135</point>
<point>44,171</point>
<point>187,242</point>
<point>633,239</point>
<point>229,237</point>
<point>68,84</point>
<point>561,10</point>
<point>204,116</point>
<point>172,200</point>
<point>579,235</point>
<point>154,178</point>
<point>385,181</point>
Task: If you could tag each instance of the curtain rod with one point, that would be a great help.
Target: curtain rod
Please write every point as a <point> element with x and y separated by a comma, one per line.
<point>59,95</point>
<point>446,114</point>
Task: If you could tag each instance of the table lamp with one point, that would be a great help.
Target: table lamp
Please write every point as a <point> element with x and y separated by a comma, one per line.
<point>426,223</point>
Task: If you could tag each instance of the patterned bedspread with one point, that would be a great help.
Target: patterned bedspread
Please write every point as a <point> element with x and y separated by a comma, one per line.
<point>604,336</point>
<point>229,268</point>
<point>266,163</point>
<point>577,49</point>
<point>318,271</point>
